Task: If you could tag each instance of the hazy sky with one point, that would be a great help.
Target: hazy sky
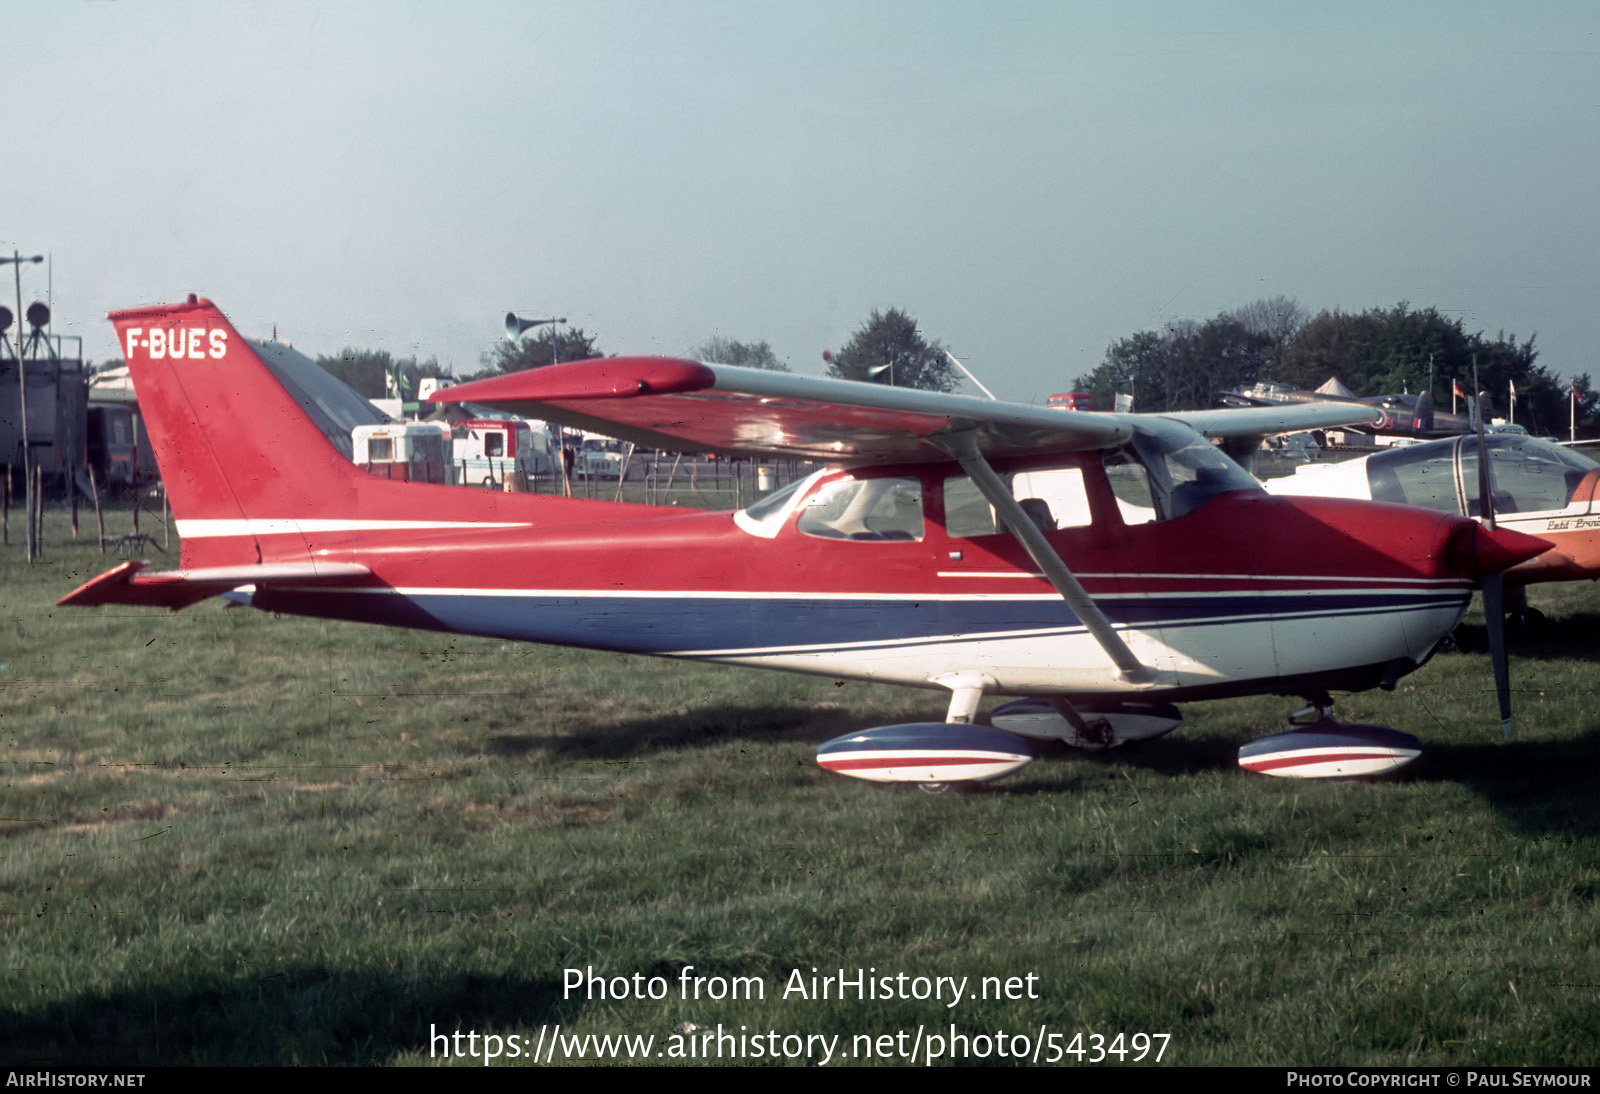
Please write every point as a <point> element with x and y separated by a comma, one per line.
<point>1030,181</point>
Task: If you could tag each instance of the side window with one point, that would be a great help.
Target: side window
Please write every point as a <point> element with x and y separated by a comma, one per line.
<point>966,513</point>
<point>494,443</point>
<point>865,509</point>
<point>1422,475</point>
<point>1053,498</point>
<point>1130,482</point>
<point>1169,472</point>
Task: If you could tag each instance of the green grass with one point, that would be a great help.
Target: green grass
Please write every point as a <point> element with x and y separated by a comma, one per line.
<point>232,838</point>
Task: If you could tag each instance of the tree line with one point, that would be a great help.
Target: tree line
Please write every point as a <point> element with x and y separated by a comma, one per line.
<point>886,349</point>
<point>1379,351</point>
<point>1183,366</point>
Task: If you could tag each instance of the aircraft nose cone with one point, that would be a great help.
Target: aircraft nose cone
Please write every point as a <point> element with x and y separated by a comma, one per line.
<point>1476,552</point>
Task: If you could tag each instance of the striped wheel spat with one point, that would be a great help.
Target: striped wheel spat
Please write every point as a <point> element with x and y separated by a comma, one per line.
<point>1330,751</point>
<point>938,752</point>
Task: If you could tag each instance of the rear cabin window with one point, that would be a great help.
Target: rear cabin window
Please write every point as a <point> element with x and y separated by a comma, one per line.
<point>1052,497</point>
<point>1423,475</point>
<point>865,509</point>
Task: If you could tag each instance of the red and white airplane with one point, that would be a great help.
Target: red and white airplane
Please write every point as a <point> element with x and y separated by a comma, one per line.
<point>1100,566</point>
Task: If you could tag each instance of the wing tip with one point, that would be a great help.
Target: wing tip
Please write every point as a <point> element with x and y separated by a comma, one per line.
<point>602,378</point>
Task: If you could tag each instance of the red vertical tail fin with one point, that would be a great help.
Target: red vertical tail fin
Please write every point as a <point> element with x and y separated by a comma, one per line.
<point>253,440</point>
<point>234,445</point>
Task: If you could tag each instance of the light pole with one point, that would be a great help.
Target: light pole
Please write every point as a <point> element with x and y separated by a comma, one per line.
<point>514,328</point>
<point>516,325</point>
<point>16,260</point>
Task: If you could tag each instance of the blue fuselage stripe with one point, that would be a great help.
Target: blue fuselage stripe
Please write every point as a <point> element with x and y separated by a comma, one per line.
<point>688,625</point>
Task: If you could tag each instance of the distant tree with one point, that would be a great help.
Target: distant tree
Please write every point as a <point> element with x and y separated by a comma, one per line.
<point>552,345</point>
<point>1218,355</point>
<point>1376,352</point>
<point>1384,350</point>
<point>1133,366</point>
<point>1277,319</point>
<point>889,350</point>
<point>1380,350</point>
<point>1182,369</point>
<point>372,372</point>
<point>726,351</point>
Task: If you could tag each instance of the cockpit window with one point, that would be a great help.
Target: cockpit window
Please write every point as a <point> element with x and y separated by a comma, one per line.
<point>773,502</point>
<point>1530,476</point>
<point>767,517</point>
<point>1130,485</point>
<point>1168,471</point>
<point>865,509</point>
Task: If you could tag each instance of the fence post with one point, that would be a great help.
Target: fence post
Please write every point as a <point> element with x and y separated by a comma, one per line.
<point>99,518</point>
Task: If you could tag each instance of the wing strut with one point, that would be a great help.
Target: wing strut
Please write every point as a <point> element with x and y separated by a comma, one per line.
<point>963,445</point>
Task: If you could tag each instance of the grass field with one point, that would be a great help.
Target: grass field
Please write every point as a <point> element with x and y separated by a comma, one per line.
<point>229,838</point>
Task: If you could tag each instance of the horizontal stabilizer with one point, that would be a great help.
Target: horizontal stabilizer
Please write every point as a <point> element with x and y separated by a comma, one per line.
<point>128,583</point>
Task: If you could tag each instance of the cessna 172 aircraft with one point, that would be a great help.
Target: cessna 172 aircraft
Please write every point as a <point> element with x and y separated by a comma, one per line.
<point>1100,566</point>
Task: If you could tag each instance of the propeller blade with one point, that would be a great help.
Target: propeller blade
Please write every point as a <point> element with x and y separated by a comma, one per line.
<point>1494,615</point>
<point>1494,585</point>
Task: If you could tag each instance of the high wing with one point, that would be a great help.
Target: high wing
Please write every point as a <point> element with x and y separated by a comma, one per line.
<point>691,406</point>
<point>1261,421</point>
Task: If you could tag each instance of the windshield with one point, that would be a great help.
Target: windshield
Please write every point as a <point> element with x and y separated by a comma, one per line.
<point>766,517</point>
<point>1186,470</point>
<point>773,502</point>
<point>888,508</point>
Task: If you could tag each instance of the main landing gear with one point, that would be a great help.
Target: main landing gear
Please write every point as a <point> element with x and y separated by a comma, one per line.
<point>1321,748</point>
<point>956,755</point>
<point>941,757</point>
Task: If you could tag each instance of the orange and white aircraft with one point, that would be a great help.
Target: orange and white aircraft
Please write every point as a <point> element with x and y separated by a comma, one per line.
<point>1541,488</point>
<point>1101,567</point>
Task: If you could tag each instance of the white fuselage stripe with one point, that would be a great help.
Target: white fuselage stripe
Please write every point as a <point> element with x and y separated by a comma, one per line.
<point>914,597</point>
<point>212,529</point>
